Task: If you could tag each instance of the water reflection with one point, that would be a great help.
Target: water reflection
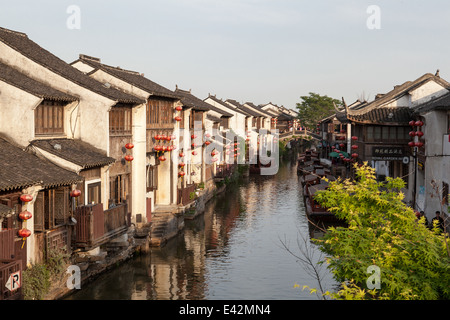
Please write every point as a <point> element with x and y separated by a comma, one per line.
<point>232,251</point>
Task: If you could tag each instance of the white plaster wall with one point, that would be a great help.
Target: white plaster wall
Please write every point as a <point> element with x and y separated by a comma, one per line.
<point>426,92</point>
<point>17,113</point>
<point>83,67</point>
<point>91,123</point>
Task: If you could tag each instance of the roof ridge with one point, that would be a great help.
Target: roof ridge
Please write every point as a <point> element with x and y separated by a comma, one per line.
<point>15,32</point>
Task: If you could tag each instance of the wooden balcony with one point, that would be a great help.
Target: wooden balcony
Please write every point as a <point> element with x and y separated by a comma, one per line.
<point>184,194</point>
<point>95,226</point>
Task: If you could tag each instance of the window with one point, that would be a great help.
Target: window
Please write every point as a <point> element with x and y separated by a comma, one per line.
<point>160,111</point>
<point>152,178</point>
<point>49,118</point>
<point>51,208</point>
<point>445,193</point>
<point>377,133</point>
<point>94,193</point>
<point>120,120</point>
<point>119,188</point>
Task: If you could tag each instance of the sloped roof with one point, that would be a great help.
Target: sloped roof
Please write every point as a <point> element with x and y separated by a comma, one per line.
<point>189,100</point>
<point>75,151</point>
<point>36,88</point>
<point>22,44</point>
<point>21,169</point>
<point>249,111</point>
<point>262,113</point>
<point>129,76</point>
<point>441,103</point>
<point>230,107</point>
<point>375,112</point>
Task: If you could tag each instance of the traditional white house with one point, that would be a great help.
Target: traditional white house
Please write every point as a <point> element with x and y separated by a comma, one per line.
<point>99,122</point>
<point>383,131</point>
<point>157,118</point>
<point>237,122</point>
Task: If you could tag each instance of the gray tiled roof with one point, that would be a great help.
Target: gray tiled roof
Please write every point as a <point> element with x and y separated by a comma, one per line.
<point>376,112</point>
<point>36,88</point>
<point>20,169</point>
<point>75,151</point>
<point>22,44</point>
<point>189,100</point>
<point>129,76</point>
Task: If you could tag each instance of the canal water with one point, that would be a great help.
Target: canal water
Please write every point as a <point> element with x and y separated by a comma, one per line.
<point>235,250</point>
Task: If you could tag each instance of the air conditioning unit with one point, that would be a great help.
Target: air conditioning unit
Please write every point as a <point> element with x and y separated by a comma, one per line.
<point>446,145</point>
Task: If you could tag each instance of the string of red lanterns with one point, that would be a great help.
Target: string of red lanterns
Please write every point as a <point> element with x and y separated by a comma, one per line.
<point>416,133</point>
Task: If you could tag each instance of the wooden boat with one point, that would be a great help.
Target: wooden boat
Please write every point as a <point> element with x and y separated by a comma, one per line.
<point>314,210</point>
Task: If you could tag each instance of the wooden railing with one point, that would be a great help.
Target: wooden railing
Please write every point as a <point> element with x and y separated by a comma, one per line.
<point>184,194</point>
<point>95,226</point>
<point>7,267</point>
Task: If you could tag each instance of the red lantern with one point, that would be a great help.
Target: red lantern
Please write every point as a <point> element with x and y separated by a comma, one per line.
<point>158,137</point>
<point>354,138</point>
<point>194,153</point>
<point>177,118</point>
<point>178,108</point>
<point>418,123</point>
<point>181,155</point>
<point>25,215</point>
<point>419,133</point>
<point>411,144</point>
<point>412,123</point>
<point>75,193</point>
<point>207,135</point>
<point>181,173</point>
<point>354,147</point>
<point>341,145</point>
<point>162,158</point>
<point>129,158</point>
<point>208,143</point>
<point>181,164</point>
<point>419,144</point>
<point>24,233</point>
<point>193,145</point>
<point>158,148</point>
<point>354,155</point>
<point>333,147</point>
<point>412,133</point>
<point>129,146</point>
<point>193,136</point>
<point>26,198</point>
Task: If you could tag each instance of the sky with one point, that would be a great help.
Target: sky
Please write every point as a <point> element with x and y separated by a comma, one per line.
<point>259,51</point>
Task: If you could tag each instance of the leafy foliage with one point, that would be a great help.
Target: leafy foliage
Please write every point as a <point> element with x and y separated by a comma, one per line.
<point>382,231</point>
<point>314,108</point>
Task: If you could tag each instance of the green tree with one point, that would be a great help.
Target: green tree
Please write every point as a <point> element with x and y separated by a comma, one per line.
<point>414,261</point>
<point>315,107</point>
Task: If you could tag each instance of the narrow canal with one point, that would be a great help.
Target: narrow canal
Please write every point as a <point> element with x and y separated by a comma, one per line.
<point>232,251</point>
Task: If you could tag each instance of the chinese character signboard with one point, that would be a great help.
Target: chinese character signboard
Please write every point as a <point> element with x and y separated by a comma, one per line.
<point>388,153</point>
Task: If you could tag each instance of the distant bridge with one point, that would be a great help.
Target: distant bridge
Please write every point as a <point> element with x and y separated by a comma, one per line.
<point>300,134</point>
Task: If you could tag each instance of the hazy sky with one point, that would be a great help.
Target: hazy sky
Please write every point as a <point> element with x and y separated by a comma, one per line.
<point>249,50</point>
